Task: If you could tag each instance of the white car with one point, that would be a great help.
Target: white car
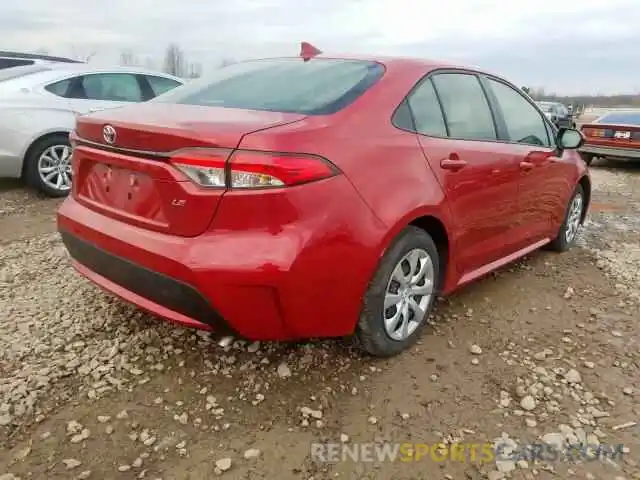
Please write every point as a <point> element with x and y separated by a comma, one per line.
<point>38,108</point>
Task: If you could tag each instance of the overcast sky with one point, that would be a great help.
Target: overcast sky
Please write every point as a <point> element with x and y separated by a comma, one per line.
<point>567,46</point>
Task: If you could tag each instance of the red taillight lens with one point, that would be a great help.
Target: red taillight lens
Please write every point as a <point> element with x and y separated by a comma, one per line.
<point>73,141</point>
<point>593,132</point>
<point>73,138</point>
<point>205,167</point>
<point>251,169</point>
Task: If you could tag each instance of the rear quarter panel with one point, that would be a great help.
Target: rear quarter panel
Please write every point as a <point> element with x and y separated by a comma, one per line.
<point>385,165</point>
<point>20,126</point>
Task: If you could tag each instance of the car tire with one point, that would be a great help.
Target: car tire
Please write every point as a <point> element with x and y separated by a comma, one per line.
<point>53,151</point>
<point>588,158</point>
<point>375,332</point>
<point>572,222</point>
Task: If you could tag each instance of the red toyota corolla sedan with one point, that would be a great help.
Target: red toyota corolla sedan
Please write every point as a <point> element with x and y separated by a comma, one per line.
<point>308,197</point>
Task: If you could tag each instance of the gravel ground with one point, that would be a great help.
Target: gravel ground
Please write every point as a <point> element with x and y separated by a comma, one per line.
<point>543,351</point>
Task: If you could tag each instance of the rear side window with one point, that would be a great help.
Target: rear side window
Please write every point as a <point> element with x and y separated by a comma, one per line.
<point>316,87</point>
<point>403,118</point>
<point>59,88</point>
<point>426,110</point>
<point>465,106</point>
<point>115,87</point>
<point>160,85</point>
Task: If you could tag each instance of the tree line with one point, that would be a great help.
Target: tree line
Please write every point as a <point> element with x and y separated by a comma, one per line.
<point>625,100</point>
<point>176,63</point>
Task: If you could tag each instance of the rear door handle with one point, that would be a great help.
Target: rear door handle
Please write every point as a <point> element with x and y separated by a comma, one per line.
<point>526,166</point>
<point>453,164</point>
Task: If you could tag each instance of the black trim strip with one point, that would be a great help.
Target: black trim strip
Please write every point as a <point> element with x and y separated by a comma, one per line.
<point>125,151</point>
<point>154,286</point>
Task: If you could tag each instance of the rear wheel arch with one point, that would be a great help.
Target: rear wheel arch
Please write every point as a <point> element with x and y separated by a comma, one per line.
<point>36,143</point>
<point>438,232</point>
<point>585,183</point>
<point>435,227</point>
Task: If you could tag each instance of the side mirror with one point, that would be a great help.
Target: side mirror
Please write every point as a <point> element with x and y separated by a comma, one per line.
<point>569,139</point>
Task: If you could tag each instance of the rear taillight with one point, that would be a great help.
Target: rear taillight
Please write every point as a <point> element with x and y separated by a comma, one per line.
<point>203,167</point>
<point>593,132</point>
<point>73,138</point>
<point>251,169</point>
<point>73,141</point>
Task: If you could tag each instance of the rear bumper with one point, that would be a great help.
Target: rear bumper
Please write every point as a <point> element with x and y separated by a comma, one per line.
<point>152,291</point>
<point>305,279</point>
<point>602,151</point>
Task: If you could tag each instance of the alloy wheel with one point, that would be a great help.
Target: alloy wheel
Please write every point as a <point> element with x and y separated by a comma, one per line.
<point>408,294</point>
<point>574,217</point>
<point>54,167</point>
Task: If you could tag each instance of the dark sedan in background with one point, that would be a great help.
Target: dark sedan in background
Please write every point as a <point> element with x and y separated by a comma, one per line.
<point>558,114</point>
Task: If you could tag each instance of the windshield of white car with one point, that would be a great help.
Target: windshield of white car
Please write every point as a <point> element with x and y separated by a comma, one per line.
<point>288,85</point>
<point>17,72</point>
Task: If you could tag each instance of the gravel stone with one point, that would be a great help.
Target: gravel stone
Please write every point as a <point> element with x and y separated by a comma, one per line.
<point>528,403</point>
<point>71,463</point>
<point>252,453</point>
<point>224,464</point>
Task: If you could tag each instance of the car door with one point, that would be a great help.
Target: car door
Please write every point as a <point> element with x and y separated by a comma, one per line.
<point>542,172</point>
<point>99,91</point>
<point>479,177</point>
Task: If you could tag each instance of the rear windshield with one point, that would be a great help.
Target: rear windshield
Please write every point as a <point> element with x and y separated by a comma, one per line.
<point>625,118</point>
<point>17,72</point>
<point>291,85</point>
<point>546,107</point>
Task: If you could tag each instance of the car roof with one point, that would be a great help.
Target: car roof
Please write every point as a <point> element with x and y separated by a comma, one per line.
<point>399,61</point>
<point>36,56</point>
<point>414,66</point>
<point>94,68</point>
<point>48,72</point>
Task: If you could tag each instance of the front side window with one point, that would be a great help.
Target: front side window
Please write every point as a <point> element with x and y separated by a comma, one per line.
<point>315,87</point>
<point>524,123</point>
<point>426,110</point>
<point>465,106</point>
<point>116,87</point>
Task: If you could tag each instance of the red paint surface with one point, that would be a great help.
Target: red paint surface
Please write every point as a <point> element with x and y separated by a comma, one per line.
<point>295,262</point>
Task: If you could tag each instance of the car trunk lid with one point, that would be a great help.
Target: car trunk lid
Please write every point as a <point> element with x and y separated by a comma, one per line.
<point>122,168</point>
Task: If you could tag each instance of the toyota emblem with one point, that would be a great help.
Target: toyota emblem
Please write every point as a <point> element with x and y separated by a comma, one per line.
<point>109,134</point>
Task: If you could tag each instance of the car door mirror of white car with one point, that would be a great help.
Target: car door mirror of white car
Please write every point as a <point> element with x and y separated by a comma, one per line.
<point>569,139</point>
